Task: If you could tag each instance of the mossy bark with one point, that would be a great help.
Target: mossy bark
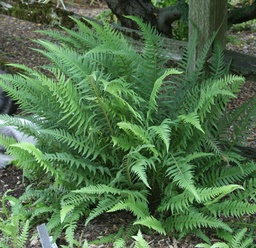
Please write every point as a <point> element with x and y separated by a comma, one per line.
<point>40,13</point>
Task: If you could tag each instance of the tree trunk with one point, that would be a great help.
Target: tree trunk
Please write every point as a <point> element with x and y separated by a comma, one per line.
<point>208,16</point>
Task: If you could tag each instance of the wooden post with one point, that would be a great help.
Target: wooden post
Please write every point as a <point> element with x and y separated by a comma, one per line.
<point>208,16</point>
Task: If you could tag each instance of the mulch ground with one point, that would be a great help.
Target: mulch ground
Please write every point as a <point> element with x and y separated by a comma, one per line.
<point>15,44</point>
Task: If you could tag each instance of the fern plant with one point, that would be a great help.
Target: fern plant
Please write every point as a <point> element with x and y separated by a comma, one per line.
<point>235,241</point>
<point>14,224</point>
<point>117,130</point>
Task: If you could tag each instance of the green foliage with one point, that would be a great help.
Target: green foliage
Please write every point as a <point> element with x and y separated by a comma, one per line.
<point>140,241</point>
<point>118,131</point>
<point>14,222</point>
<point>164,3</point>
<point>238,241</point>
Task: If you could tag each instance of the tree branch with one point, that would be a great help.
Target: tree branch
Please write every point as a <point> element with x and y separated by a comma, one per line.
<point>239,15</point>
<point>142,8</point>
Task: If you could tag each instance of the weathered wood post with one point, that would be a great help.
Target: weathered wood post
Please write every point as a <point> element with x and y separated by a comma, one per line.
<point>208,16</point>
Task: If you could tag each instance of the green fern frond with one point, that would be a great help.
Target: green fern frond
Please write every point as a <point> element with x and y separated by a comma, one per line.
<point>23,236</point>
<point>92,81</point>
<point>193,119</point>
<point>43,194</point>
<point>180,202</point>
<point>242,118</point>
<point>163,131</point>
<point>218,66</point>
<point>232,208</point>
<point>81,39</point>
<point>152,223</point>
<point>181,173</point>
<point>192,219</point>
<point>152,58</point>
<point>177,203</point>
<point>85,244</point>
<point>66,60</point>
<point>73,199</point>
<point>189,53</point>
<point>119,243</point>
<point>140,242</point>
<point>228,175</point>
<point>238,241</point>
<point>85,35</point>
<point>152,106</point>
<point>139,167</point>
<point>137,207</point>
<point>40,211</point>
<point>202,59</point>
<point>6,141</point>
<point>103,206</point>
<point>249,242</point>
<point>194,70</point>
<point>201,235</point>
<point>72,161</point>
<point>212,144</point>
<point>107,203</point>
<point>75,142</point>
<point>29,150</point>
<point>136,131</point>
<point>214,194</point>
<point>71,226</point>
<point>22,124</point>
<point>198,155</point>
<point>31,84</point>
<point>216,245</point>
<point>105,40</point>
<point>249,192</point>
<point>65,210</point>
<point>110,37</point>
<point>122,93</point>
<point>207,100</point>
<point>54,225</point>
<point>124,142</point>
<point>216,89</point>
<point>104,240</point>
<point>105,189</point>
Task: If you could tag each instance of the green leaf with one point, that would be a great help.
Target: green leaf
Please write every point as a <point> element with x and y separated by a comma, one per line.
<point>216,245</point>
<point>65,210</point>
<point>156,88</point>
<point>152,223</point>
<point>163,131</point>
<point>119,243</point>
<point>193,119</point>
<point>137,131</point>
<point>139,168</point>
<point>137,207</point>
<point>140,242</point>
<point>182,174</point>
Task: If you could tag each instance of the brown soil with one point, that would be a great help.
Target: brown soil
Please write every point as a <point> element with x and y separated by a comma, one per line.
<point>15,41</point>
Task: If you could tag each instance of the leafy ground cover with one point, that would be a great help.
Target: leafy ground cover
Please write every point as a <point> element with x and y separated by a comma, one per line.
<point>12,178</point>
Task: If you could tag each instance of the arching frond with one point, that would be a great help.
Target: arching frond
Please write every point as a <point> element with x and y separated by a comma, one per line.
<point>192,219</point>
<point>181,173</point>
<point>152,223</point>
